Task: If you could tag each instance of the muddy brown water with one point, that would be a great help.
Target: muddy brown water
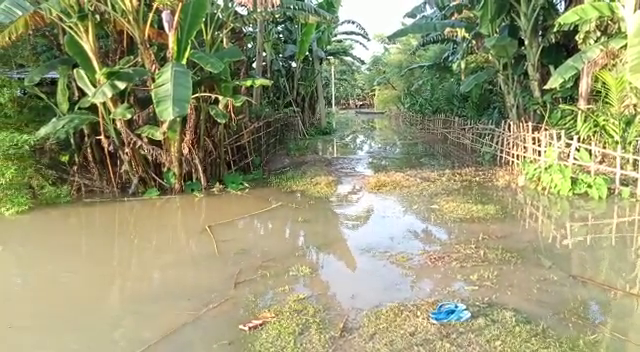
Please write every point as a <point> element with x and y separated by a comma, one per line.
<point>116,276</point>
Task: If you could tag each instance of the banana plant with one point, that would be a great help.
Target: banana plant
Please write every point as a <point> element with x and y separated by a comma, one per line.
<point>627,37</point>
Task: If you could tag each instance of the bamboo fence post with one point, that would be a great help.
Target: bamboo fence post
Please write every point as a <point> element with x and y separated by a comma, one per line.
<point>511,153</point>
<point>572,150</point>
<point>544,146</point>
<point>530,141</point>
<point>618,166</point>
<point>593,159</point>
<point>555,142</point>
<point>500,143</point>
<point>470,137</point>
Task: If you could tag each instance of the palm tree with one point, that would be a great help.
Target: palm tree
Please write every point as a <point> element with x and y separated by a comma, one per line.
<point>328,44</point>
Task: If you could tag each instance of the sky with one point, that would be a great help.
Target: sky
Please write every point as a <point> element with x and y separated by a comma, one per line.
<point>377,16</point>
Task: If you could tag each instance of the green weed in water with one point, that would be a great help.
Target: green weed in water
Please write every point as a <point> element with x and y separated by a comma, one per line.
<point>406,327</point>
<point>461,208</point>
<point>311,183</point>
<point>299,326</point>
<point>300,270</point>
<point>470,255</point>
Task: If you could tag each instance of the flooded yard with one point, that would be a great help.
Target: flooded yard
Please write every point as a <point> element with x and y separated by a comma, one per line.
<point>399,233</point>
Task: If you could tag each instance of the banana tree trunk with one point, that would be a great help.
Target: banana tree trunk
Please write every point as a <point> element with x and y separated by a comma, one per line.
<point>528,11</point>
<point>321,108</point>
<point>173,145</point>
<point>533,70</point>
<point>510,102</point>
<point>257,92</point>
<point>584,87</point>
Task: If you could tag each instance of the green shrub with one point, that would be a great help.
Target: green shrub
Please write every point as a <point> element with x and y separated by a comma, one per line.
<point>23,182</point>
<point>21,112</point>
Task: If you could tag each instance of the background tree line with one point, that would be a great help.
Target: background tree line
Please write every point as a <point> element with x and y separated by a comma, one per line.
<point>570,64</point>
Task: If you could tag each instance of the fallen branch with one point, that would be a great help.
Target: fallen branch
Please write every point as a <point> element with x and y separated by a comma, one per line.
<point>605,330</point>
<point>249,279</point>
<point>235,279</point>
<point>341,327</point>
<point>610,288</point>
<point>339,333</point>
<point>168,333</point>
<point>215,245</point>
<point>246,215</point>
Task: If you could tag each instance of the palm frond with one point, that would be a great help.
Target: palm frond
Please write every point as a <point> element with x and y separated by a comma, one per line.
<point>334,52</point>
<point>351,40</point>
<point>351,34</point>
<point>613,89</point>
<point>433,38</point>
<point>356,24</point>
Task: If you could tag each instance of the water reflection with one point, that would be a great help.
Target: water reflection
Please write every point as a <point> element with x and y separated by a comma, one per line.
<point>597,246</point>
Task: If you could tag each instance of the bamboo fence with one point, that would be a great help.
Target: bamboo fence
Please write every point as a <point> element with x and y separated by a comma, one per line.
<point>514,142</point>
<point>256,139</point>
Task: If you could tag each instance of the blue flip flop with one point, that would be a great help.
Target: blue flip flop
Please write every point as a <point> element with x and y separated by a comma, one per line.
<point>450,312</point>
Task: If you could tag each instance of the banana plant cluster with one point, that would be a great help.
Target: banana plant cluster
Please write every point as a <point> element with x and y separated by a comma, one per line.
<point>517,34</point>
<point>494,28</point>
<point>149,89</point>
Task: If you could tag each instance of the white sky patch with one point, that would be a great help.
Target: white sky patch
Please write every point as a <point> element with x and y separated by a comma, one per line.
<point>377,16</point>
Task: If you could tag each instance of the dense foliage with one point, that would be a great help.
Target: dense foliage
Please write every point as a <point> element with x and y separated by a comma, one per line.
<point>570,63</point>
<point>148,93</point>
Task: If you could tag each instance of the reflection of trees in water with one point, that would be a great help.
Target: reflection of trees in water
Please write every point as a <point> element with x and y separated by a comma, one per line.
<point>356,221</point>
<point>599,241</point>
<point>316,229</point>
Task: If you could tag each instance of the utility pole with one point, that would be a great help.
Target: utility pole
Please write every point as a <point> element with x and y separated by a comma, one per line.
<point>333,85</point>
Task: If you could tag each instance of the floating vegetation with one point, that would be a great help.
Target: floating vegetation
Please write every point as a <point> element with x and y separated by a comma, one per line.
<point>391,182</point>
<point>300,270</point>
<point>406,327</point>
<point>468,255</point>
<point>299,325</point>
<point>435,182</point>
<point>460,208</point>
<point>314,183</point>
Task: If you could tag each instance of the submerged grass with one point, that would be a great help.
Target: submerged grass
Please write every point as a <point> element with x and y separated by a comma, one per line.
<point>406,327</point>
<point>435,182</point>
<point>314,183</point>
<point>460,195</point>
<point>299,325</point>
<point>471,254</point>
<point>461,208</point>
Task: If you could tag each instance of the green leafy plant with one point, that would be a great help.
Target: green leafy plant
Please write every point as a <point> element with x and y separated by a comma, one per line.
<point>235,181</point>
<point>550,176</point>
<point>24,182</point>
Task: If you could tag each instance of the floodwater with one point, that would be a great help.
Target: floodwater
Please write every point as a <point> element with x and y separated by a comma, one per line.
<point>121,276</point>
